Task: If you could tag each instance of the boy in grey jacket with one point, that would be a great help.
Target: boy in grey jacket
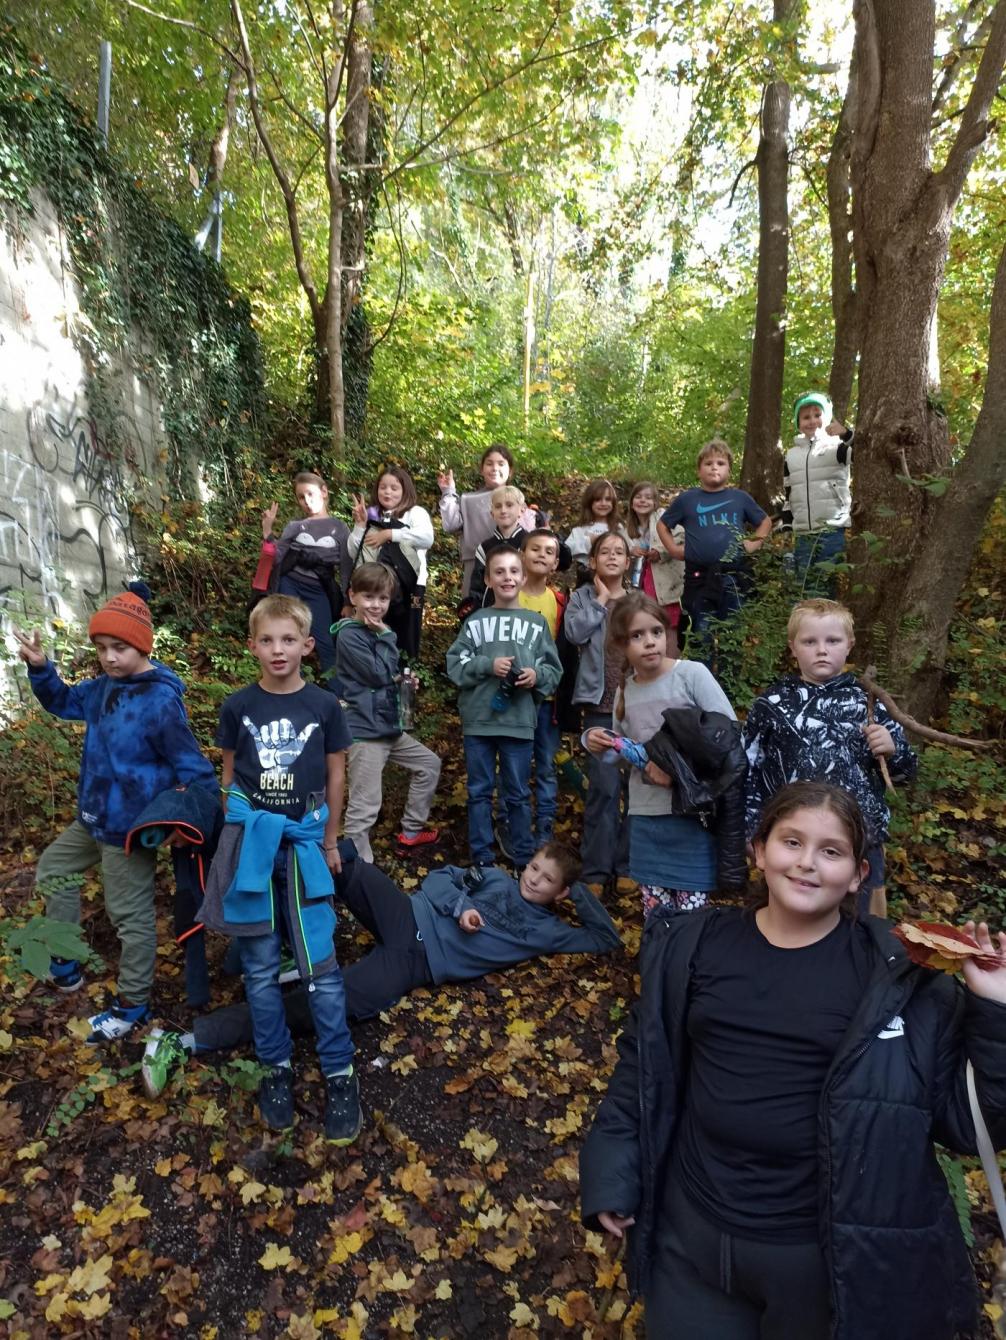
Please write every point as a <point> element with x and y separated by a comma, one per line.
<point>503,661</point>
<point>366,679</point>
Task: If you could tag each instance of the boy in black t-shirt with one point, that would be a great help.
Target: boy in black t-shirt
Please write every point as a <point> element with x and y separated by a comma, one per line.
<point>284,745</point>
<point>715,550</point>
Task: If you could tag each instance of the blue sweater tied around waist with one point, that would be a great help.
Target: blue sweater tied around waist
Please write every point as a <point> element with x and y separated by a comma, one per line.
<point>264,833</point>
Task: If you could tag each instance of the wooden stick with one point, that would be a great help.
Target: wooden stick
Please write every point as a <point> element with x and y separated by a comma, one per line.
<point>885,772</point>
<point>868,682</point>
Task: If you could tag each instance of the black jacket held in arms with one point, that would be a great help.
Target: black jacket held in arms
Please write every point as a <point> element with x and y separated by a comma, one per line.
<point>703,752</point>
<point>896,1259</point>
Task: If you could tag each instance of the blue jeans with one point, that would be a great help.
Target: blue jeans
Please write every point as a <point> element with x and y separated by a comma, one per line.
<point>546,782</point>
<point>814,557</point>
<point>481,752</point>
<point>322,618</point>
<point>260,966</point>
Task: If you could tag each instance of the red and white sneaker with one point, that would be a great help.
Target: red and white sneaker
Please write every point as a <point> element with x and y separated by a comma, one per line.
<point>422,839</point>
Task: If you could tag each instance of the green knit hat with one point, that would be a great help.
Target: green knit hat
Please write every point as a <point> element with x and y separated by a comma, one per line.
<point>812,398</point>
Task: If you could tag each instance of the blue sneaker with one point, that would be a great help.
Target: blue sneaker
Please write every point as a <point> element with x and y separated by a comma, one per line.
<point>117,1021</point>
<point>65,975</point>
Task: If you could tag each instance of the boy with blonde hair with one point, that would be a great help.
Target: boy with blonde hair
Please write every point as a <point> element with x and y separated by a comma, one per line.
<point>715,548</point>
<point>284,744</point>
<point>813,726</point>
<point>506,506</point>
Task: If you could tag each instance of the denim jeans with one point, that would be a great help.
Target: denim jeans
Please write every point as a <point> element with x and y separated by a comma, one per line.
<point>481,753</point>
<point>814,557</point>
<point>322,618</point>
<point>546,781</point>
<point>260,965</point>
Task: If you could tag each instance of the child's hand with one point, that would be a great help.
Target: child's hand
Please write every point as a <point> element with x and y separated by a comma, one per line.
<point>879,740</point>
<point>445,480</point>
<point>752,546</point>
<point>30,649</point>
<point>656,775</point>
<point>375,538</point>
<point>359,509</point>
<point>835,429</point>
<point>598,740</point>
<point>615,1224</point>
<point>527,678</point>
<point>269,519</point>
<point>987,982</point>
<point>637,551</point>
<point>332,858</point>
<point>601,591</point>
<point>501,666</point>
<point>470,921</point>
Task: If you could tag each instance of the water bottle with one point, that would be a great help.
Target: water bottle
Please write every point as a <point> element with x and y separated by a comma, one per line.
<point>407,700</point>
<point>638,565</point>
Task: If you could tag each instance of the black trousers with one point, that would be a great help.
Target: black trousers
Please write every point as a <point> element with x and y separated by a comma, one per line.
<point>707,1284</point>
<point>395,966</point>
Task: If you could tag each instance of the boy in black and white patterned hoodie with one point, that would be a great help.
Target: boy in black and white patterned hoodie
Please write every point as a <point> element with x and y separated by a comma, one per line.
<point>812,726</point>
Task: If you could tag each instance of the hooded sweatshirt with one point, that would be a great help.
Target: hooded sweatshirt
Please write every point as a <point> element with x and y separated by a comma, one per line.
<point>366,680</point>
<point>485,635</point>
<point>138,742</point>
<point>513,928</point>
<point>801,732</point>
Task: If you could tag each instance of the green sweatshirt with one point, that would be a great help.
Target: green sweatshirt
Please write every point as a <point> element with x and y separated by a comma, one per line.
<point>486,634</point>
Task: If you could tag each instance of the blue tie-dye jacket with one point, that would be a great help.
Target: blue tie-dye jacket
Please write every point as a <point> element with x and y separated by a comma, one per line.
<point>138,743</point>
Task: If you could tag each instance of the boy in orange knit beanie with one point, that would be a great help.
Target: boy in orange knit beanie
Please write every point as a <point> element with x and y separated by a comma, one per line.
<point>138,743</point>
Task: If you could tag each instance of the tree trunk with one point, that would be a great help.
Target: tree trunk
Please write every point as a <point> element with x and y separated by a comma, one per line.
<point>843,291</point>
<point>902,214</point>
<point>761,471</point>
<point>941,566</point>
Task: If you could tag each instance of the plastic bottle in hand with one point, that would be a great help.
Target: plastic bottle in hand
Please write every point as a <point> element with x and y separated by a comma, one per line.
<point>407,699</point>
<point>505,690</point>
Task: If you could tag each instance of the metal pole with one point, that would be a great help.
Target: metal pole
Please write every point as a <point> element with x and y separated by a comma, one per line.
<point>104,87</point>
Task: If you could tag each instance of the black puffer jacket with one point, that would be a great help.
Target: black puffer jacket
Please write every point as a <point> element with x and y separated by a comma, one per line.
<point>704,754</point>
<point>898,1264</point>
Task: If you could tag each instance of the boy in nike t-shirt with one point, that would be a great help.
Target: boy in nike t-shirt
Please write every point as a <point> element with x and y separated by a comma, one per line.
<point>715,517</point>
<point>504,662</point>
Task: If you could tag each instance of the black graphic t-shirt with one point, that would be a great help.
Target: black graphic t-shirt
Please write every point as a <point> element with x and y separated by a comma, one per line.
<point>280,741</point>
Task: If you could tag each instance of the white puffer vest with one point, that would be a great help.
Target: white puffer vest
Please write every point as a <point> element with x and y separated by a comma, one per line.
<point>817,482</point>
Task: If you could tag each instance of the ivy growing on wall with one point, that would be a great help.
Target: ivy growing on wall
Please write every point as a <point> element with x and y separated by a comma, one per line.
<point>137,273</point>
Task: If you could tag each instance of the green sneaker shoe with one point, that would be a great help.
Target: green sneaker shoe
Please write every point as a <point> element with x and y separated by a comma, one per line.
<point>162,1053</point>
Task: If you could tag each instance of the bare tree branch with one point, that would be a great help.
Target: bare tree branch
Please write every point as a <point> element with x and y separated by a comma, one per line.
<point>279,171</point>
<point>948,183</point>
<point>194,27</point>
<point>954,64</point>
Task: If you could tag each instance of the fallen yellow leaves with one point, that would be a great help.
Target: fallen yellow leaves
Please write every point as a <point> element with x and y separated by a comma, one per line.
<point>88,1279</point>
<point>278,1258</point>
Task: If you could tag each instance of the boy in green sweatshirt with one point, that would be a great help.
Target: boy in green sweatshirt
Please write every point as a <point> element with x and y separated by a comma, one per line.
<point>504,662</point>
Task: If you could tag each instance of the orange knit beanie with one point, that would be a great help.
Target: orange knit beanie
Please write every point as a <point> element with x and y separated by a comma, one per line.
<point>127,617</point>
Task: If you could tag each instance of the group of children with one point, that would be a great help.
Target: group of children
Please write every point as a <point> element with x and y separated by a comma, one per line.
<point>751,1096</point>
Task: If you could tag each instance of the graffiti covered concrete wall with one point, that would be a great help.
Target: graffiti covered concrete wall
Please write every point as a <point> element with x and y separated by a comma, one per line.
<point>66,492</point>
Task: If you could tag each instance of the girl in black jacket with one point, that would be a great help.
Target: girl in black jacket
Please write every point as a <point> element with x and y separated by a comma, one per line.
<point>768,1131</point>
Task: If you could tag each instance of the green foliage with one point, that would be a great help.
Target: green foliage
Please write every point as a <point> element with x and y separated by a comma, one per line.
<point>82,1096</point>
<point>39,939</point>
<point>954,1173</point>
<point>244,1075</point>
<point>137,272</point>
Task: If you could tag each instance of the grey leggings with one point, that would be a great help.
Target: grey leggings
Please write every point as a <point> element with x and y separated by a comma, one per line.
<point>706,1283</point>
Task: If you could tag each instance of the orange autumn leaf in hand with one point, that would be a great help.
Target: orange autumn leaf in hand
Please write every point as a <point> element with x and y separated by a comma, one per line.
<point>934,944</point>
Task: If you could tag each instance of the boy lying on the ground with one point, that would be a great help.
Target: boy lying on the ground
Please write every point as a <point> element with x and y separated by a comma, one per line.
<point>459,925</point>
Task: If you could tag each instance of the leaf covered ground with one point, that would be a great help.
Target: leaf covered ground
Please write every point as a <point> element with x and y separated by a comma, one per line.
<point>455,1212</point>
